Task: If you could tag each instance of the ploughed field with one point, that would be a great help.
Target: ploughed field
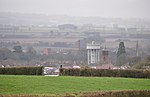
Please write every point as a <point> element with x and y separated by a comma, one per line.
<point>46,85</point>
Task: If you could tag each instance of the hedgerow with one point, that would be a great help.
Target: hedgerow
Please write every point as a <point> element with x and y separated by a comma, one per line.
<point>22,70</point>
<point>105,73</point>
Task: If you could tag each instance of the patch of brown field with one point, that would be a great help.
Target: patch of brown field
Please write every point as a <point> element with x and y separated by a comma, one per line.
<point>116,93</point>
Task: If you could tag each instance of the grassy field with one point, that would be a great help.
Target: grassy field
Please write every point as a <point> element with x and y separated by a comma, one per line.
<point>35,85</point>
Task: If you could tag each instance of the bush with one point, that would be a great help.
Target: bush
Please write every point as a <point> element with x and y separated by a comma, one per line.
<point>105,73</point>
<point>22,70</point>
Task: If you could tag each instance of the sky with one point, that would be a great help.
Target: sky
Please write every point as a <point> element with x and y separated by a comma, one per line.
<point>102,8</point>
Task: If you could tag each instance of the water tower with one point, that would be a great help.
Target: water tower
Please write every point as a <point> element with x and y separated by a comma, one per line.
<point>93,51</point>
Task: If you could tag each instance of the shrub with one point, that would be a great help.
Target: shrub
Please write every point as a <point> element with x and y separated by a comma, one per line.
<point>22,70</point>
<point>105,73</point>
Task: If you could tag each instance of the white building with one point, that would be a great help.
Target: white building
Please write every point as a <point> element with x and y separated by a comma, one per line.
<point>93,53</point>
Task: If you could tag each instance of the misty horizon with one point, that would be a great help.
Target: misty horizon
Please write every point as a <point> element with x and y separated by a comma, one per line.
<point>80,8</point>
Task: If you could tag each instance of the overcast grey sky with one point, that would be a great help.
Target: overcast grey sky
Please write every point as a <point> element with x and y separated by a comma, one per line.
<point>103,8</point>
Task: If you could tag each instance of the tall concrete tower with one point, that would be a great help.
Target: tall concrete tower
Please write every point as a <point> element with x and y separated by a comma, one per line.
<point>93,51</point>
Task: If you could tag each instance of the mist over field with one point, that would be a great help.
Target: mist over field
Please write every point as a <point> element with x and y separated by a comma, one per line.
<point>74,48</point>
<point>55,32</point>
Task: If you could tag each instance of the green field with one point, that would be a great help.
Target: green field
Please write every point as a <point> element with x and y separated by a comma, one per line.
<point>35,85</point>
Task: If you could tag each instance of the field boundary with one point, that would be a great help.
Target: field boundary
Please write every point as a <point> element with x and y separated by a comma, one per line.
<point>114,93</point>
<point>90,72</point>
<point>21,71</point>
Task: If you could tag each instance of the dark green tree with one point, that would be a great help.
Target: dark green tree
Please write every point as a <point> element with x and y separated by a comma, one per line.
<point>30,50</point>
<point>121,49</point>
<point>30,53</point>
<point>5,53</point>
<point>17,49</point>
<point>27,56</point>
<point>121,55</point>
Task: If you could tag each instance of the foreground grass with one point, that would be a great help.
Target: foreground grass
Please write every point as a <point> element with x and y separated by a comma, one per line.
<point>35,85</point>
